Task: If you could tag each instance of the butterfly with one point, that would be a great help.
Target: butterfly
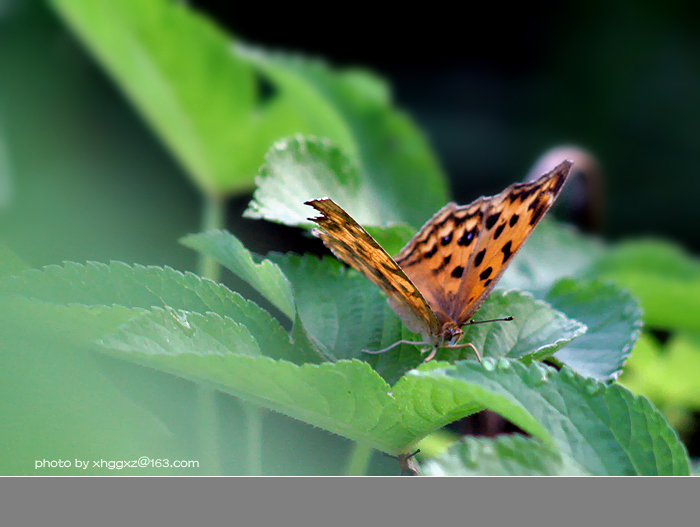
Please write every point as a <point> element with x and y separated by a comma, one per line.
<point>446,271</point>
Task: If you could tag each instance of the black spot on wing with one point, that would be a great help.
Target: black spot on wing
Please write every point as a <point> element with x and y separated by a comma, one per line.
<point>457,272</point>
<point>445,240</point>
<point>467,238</point>
<point>491,220</point>
<point>535,203</point>
<point>513,220</point>
<point>499,230</point>
<point>479,258</point>
<point>507,251</point>
<point>538,213</point>
<point>429,254</point>
<point>486,273</point>
<point>487,282</point>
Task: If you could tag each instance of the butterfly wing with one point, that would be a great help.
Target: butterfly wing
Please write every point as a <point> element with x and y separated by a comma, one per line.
<point>355,246</point>
<point>458,256</point>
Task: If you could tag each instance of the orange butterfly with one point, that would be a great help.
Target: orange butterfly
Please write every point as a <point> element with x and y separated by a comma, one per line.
<point>446,271</point>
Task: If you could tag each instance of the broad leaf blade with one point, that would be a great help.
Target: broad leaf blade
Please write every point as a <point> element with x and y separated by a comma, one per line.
<point>299,169</point>
<point>395,161</point>
<point>199,92</point>
<point>536,332</point>
<point>265,277</point>
<point>346,397</point>
<point>505,455</point>
<point>614,322</point>
<point>178,69</point>
<point>603,428</point>
<point>73,299</point>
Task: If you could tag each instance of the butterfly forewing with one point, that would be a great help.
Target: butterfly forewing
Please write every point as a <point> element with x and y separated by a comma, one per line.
<point>458,256</point>
<point>355,246</point>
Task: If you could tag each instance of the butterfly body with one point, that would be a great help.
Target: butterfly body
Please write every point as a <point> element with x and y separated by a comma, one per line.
<point>447,270</point>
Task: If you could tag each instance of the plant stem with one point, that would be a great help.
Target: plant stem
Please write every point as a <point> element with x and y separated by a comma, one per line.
<point>208,430</point>
<point>359,460</point>
<point>212,218</point>
<point>207,267</point>
<point>253,427</point>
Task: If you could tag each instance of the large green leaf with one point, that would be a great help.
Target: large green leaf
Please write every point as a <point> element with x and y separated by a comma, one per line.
<point>72,300</point>
<point>201,97</point>
<point>536,332</point>
<point>600,429</point>
<point>603,428</point>
<point>614,321</point>
<point>506,455</point>
<point>392,156</point>
<point>299,169</point>
<point>199,330</point>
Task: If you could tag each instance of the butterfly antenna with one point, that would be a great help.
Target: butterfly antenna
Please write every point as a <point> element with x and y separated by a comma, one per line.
<point>472,321</point>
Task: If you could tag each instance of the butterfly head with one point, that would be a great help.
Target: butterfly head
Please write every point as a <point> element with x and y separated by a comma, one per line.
<point>450,334</point>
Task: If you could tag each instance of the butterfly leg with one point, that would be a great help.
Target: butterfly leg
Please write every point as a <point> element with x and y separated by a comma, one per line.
<point>393,346</point>
<point>467,345</point>
<point>432,353</point>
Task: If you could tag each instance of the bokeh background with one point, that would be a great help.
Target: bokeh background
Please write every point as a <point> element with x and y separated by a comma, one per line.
<point>493,87</point>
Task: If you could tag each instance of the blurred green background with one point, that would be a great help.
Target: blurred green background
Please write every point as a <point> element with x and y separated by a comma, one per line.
<point>83,178</point>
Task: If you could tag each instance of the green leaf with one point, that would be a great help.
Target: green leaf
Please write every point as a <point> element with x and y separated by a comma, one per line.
<point>349,398</point>
<point>554,251</point>
<point>196,90</point>
<point>177,332</point>
<point>536,332</point>
<point>299,169</point>
<point>506,455</point>
<point>73,299</point>
<point>393,156</point>
<point>178,70</point>
<point>10,262</point>
<point>346,397</point>
<point>75,325</point>
<point>340,308</point>
<point>297,98</point>
<point>662,276</point>
<point>602,428</point>
<point>265,277</point>
<point>614,322</point>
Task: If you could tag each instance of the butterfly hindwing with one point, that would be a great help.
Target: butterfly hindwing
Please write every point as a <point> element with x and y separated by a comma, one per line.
<point>458,256</point>
<point>355,246</point>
